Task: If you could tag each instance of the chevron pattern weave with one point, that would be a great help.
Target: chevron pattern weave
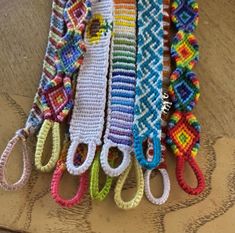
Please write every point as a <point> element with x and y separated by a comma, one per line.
<point>148,103</point>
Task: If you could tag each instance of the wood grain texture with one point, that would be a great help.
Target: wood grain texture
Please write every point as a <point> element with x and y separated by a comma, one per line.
<point>23,30</point>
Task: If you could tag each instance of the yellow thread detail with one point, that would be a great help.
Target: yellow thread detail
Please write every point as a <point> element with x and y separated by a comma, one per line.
<point>121,181</point>
<point>42,136</point>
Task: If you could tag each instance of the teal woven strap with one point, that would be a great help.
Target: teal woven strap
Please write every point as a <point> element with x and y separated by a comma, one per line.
<point>148,103</point>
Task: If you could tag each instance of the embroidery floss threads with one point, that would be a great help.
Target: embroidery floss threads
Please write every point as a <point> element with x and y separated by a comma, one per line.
<point>57,99</point>
<point>87,121</point>
<point>122,82</point>
<point>183,127</point>
<point>148,102</point>
<point>35,117</point>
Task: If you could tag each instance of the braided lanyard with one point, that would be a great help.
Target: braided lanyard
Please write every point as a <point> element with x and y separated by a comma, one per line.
<point>57,100</point>
<point>166,106</point>
<point>87,121</point>
<point>183,127</point>
<point>35,117</point>
<point>121,86</point>
<point>148,102</point>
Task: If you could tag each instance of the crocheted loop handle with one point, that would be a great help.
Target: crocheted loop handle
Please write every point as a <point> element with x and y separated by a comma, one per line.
<point>166,187</point>
<point>144,162</point>
<point>110,171</point>
<point>42,136</point>
<point>78,170</point>
<point>180,164</point>
<point>94,182</point>
<point>27,166</point>
<point>82,188</point>
<point>119,186</point>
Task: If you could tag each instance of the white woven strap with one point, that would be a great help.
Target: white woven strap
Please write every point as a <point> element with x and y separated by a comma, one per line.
<point>88,115</point>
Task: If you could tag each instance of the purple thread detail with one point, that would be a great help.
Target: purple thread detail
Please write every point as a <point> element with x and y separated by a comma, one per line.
<point>120,141</point>
<point>121,133</point>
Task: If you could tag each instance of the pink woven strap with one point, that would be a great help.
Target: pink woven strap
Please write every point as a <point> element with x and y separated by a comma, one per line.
<point>21,135</point>
<point>82,188</point>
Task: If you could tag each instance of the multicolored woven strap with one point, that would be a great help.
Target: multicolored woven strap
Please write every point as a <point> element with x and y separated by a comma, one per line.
<point>162,167</point>
<point>87,121</point>
<point>183,127</point>
<point>58,174</point>
<point>148,102</point>
<point>57,96</point>
<point>122,81</point>
<point>35,117</point>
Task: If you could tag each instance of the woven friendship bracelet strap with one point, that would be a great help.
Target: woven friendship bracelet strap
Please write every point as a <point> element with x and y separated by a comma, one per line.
<point>148,102</point>
<point>135,201</point>
<point>87,121</point>
<point>57,176</point>
<point>35,117</point>
<point>183,127</point>
<point>60,169</point>
<point>95,193</point>
<point>162,167</point>
<point>122,82</point>
<point>57,98</point>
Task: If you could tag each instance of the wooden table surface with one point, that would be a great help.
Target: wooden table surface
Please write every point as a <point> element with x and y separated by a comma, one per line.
<point>23,38</point>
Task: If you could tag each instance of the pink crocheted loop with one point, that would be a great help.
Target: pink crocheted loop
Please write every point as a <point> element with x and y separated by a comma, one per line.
<point>180,165</point>
<point>82,188</point>
<point>21,135</point>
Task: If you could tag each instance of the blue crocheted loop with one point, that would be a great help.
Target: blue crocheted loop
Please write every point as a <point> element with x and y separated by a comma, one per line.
<point>142,159</point>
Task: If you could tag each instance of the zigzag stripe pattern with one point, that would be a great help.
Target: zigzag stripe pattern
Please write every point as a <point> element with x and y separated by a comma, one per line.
<point>148,103</point>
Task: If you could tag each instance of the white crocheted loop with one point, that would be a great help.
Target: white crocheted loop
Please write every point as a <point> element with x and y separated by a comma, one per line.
<point>110,171</point>
<point>166,187</point>
<point>78,170</point>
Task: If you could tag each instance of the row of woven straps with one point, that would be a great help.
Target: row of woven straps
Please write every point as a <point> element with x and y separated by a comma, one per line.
<point>107,86</point>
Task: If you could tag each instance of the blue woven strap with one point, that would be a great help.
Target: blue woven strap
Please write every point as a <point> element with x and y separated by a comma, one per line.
<point>148,103</point>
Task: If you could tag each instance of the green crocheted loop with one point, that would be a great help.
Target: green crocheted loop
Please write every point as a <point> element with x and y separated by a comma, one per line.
<point>94,181</point>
